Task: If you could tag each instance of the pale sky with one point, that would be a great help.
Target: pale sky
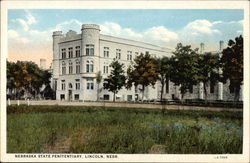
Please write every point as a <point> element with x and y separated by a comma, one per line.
<point>30,31</point>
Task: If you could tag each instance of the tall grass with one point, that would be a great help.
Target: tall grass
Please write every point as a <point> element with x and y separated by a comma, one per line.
<point>30,129</point>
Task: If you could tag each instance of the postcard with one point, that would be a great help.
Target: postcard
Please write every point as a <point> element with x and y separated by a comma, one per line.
<point>124,81</point>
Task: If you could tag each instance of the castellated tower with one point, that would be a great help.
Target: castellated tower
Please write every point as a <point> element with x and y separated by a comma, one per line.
<point>91,45</point>
<point>56,52</point>
<point>202,48</point>
<point>91,36</point>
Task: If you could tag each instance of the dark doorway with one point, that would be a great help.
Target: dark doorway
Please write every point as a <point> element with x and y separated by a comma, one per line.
<point>70,95</point>
<point>62,97</point>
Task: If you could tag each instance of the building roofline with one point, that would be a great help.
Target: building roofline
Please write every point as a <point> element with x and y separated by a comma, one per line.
<point>167,48</point>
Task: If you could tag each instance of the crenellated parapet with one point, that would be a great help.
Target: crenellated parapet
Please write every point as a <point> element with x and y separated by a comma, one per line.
<point>57,33</point>
<point>90,26</point>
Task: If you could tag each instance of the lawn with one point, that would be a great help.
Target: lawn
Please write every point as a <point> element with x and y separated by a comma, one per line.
<point>75,129</point>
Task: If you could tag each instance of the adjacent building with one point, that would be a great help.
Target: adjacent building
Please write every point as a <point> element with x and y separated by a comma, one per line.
<point>77,58</point>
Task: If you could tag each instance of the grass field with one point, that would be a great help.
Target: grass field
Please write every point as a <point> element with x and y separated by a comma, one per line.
<point>72,129</point>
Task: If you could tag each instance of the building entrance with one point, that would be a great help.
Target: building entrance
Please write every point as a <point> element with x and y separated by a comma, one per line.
<point>70,95</point>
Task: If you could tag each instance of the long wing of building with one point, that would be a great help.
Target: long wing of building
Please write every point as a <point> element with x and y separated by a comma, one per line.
<point>77,58</point>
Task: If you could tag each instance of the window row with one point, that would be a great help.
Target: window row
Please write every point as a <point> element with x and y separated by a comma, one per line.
<point>76,97</point>
<point>118,54</point>
<point>89,51</point>
<point>89,84</point>
<point>70,52</point>
<point>89,67</point>
<point>77,67</point>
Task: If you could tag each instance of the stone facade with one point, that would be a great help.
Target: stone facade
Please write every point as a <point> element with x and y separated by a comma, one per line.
<point>78,57</point>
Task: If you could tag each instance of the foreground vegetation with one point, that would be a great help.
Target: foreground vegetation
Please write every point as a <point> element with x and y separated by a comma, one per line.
<point>75,129</point>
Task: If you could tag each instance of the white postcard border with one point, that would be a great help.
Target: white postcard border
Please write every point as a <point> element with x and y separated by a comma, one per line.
<point>5,5</point>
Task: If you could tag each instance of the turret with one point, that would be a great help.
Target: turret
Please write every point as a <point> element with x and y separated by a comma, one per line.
<point>90,37</point>
<point>202,48</point>
<point>91,46</point>
<point>56,53</point>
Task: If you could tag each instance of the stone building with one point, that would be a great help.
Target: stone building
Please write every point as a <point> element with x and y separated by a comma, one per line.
<point>77,58</point>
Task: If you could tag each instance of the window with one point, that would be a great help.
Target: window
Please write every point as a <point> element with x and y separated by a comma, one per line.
<point>104,84</point>
<point>62,97</point>
<point>77,67</point>
<point>63,84</point>
<point>90,49</point>
<point>63,53</point>
<point>77,86</point>
<point>70,52</point>
<point>106,52</point>
<point>211,87</point>
<point>70,86</point>
<point>76,96</point>
<point>106,97</point>
<point>63,68</point>
<point>105,69</point>
<point>70,67</point>
<point>77,51</point>
<point>90,83</point>
<point>129,97</point>
<point>118,54</point>
<point>90,66</point>
<point>167,86</point>
<point>129,56</point>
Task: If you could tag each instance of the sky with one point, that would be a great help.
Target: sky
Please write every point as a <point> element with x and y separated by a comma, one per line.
<point>30,31</point>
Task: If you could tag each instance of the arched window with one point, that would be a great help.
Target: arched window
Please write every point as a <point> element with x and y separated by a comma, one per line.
<point>77,67</point>
<point>70,86</point>
<point>70,67</point>
<point>63,84</point>
<point>90,66</point>
<point>63,68</point>
<point>78,51</point>
<point>77,84</point>
<point>70,52</point>
<point>63,53</point>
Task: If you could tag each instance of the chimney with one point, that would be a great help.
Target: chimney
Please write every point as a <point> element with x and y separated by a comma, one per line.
<point>43,64</point>
<point>202,48</point>
<point>221,45</point>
